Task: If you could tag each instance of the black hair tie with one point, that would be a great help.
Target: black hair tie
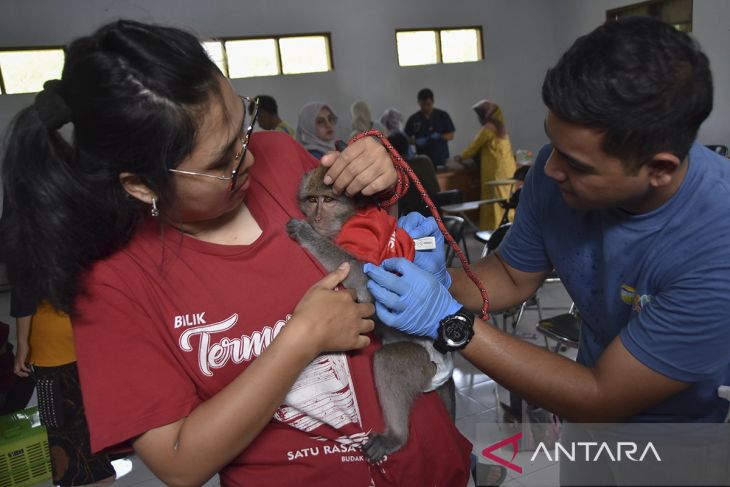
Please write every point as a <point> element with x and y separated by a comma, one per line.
<point>51,107</point>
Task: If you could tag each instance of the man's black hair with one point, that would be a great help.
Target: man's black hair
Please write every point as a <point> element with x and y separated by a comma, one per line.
<point>267,104</point>
<point>425,94</point>
<point>645,85</point>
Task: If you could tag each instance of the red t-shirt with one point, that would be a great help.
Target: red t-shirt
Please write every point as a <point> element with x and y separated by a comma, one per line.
<point>168,321</point>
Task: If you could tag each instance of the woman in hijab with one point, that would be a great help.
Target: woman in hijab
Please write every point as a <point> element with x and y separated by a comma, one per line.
<point>317,128</point>
<point>392,120</point>
<point>362,119</point>
<point>497,161</point>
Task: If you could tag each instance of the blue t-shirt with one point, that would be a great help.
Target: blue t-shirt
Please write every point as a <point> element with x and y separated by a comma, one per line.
<point>419,126</point>
<point>659,280</point>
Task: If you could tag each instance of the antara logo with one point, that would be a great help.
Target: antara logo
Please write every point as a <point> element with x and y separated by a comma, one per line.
<point>593,451</point>
<point>589,451</point>
<point>487,452</point>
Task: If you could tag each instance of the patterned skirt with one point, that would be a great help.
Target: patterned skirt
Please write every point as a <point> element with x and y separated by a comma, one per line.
<point>59,395</point>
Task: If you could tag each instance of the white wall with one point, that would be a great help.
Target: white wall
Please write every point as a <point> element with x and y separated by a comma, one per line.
<point>518,45</point>
<point>522,38</point>
<point>710,26</point>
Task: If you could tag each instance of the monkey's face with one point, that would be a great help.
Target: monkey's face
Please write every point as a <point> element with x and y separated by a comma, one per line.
<point>327,212</point>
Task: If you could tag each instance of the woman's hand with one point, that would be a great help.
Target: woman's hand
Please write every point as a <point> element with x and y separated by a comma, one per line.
<point>21,368</point>
<point>330,320</point>
<point>363,167</point>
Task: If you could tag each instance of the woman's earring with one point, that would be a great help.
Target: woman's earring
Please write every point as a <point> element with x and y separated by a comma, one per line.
<point>154,211</point>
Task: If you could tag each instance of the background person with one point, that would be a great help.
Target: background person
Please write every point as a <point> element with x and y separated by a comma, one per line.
<point>199,325</point>
<point>46,352</point>
<point>317,128</point>
<point>362,119</point>
<point>430,129</point>
<point>268,116</point>
<point>495,158</point>
<point>392,121</point>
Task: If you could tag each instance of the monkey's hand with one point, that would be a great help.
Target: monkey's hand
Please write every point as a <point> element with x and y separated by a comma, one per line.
<point>330,256</point>
<point>301,231</point>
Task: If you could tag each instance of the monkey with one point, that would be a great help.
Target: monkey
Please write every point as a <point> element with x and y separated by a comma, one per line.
<point>403,367</point>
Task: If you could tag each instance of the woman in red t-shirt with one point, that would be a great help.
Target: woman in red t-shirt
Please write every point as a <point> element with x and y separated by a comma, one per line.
<point>200,327</point>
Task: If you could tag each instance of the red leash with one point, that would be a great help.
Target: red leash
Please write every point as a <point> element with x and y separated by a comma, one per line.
<point>405,173</point>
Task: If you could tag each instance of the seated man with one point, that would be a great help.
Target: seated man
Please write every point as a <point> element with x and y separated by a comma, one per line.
<point>268,116</point>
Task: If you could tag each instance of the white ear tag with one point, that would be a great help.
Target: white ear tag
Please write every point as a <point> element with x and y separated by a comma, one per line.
<point>425,243</point>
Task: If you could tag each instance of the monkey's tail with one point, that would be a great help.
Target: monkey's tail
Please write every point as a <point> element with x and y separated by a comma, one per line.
<point>405,173</point>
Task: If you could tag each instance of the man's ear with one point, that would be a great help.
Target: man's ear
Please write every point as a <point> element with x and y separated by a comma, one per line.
<point>663,167</point>
<point>134,186</point>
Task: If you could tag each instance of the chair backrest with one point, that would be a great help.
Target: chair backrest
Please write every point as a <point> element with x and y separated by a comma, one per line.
<point>454,225</point>
<point>720,149</point>
<point>426,173</point>
<point>448,197</point>
<point>497,236</point>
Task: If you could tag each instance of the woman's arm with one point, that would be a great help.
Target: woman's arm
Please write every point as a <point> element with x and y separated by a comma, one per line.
<point>193,449</point>
<point>22,325</point>
<point>482,137</point>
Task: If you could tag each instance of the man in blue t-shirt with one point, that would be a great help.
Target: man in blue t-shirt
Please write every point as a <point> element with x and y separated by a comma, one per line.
<point>430,129</point>
<point>632,213</point>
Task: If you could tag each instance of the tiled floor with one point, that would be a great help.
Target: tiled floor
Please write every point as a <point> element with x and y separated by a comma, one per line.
<point>477,400</point>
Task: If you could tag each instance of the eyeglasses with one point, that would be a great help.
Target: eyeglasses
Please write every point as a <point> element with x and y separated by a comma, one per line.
<point>240,156</point>
<point>332,120</point>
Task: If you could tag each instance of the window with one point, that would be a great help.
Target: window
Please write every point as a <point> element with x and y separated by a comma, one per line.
<point>307,54</point>
<point>434,46</point>
<point>215,53</point>
<point>252,57</point>
<point>246,58</point>
<point>675,12</point>
<point>25,71</point>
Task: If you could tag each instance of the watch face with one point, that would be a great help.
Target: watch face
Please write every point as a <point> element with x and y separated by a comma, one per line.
<point>456,332</point>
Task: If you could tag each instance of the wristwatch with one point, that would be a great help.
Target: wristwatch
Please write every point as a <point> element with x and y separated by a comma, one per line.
<point>455,331</point>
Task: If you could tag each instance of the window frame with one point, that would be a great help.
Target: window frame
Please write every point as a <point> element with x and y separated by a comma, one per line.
<point>276,38</point>
<point>439,49</point>
<point>3,88</point>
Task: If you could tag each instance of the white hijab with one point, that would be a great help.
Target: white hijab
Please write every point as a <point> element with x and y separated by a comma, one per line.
<point>307,128</point>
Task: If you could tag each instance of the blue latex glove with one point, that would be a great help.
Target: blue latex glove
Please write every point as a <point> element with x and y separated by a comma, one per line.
<point>420,141</point>
<point>433,261</point>
<point>412,300</point>
<point>435,136</point>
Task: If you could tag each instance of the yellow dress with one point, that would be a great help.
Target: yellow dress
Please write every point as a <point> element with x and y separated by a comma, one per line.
<point>497,162</point>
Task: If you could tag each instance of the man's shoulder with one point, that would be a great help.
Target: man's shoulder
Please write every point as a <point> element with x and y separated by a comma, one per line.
<point>414,116</point>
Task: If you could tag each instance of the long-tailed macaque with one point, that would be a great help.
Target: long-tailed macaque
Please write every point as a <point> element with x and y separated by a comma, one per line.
<point>403,367</point>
